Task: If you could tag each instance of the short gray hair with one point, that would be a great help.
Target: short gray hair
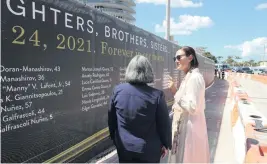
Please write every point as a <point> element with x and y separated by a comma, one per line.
<point>139,70</point>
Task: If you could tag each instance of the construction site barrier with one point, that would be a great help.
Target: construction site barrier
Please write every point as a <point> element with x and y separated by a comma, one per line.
<point>255,77</point>
<point>249,126</point>
<point>260,78</point>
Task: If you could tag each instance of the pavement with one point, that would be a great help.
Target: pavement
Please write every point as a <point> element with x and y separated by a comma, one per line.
<point>218,125</point>
<point>257,92</point>
<point>218,118</point>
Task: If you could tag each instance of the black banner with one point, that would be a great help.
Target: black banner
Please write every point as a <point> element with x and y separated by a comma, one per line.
<point>59,64</point>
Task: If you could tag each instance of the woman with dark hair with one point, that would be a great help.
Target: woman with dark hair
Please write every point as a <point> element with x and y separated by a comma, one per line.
<point>138,118</point>
<point>189,130</point>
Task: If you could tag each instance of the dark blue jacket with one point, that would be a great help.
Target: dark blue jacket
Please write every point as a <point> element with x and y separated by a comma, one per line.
<point>138,120</point>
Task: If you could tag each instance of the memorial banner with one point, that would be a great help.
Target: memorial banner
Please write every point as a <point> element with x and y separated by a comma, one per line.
<point>59,63</point>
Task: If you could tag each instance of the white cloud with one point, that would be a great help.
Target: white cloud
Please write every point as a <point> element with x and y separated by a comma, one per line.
<point>174,3</point>
<point>261,6</point>
<point>253,47</point>
<point>185,25</point>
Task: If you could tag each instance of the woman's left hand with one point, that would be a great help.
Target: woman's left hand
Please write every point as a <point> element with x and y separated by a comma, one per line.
<point>164,152</point>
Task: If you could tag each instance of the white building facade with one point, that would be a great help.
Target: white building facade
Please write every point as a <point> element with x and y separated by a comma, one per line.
<point>122,9</point>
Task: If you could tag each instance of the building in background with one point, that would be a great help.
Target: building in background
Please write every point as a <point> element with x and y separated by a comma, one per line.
<point>263,64</point>
<point>122,9</point>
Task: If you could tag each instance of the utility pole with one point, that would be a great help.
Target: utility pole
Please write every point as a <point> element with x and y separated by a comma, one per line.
<point>168,8</point>
<point>264,51</point>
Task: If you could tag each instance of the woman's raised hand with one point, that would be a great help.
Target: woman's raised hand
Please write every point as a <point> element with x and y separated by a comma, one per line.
<point>171,84</point>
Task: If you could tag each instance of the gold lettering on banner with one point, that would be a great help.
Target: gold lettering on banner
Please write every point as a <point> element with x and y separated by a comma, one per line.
<point>108,50</point>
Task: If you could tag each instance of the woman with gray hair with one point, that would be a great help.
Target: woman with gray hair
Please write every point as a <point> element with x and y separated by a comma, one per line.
<point>138,118</point>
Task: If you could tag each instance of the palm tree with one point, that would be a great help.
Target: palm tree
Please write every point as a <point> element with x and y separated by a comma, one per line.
<point>251,62</point>
<point>230,60</point>
<point>219,58</point>
<point>238,58</point>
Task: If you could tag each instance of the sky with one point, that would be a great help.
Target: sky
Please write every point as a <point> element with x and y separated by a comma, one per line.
<point>224,27</point>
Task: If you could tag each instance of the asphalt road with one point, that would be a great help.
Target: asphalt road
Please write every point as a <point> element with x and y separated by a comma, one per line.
<point>257,92</point>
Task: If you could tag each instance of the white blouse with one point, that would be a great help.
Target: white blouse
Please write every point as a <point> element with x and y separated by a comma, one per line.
<point>191,95</point>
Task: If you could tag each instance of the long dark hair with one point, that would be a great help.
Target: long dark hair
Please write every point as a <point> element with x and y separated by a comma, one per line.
<point>190,51</point>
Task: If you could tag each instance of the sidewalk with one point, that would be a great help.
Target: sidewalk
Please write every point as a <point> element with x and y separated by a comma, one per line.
<point>218,125</point>
<point>257,92</point>
<point>218,108</point>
